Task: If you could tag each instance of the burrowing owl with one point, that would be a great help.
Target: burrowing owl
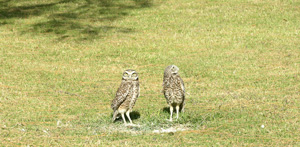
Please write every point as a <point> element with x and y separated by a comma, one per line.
<point>126,95</point>
<point>173,89</point>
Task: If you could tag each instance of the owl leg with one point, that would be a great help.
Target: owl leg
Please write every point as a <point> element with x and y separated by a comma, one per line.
<point>177,111</point>
<point>171,112</point>
<point>127,113</point>
<point>123,118</point>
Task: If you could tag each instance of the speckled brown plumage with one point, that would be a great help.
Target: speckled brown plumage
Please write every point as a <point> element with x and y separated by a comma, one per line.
<point>126,95</point>
<point>173,89</point>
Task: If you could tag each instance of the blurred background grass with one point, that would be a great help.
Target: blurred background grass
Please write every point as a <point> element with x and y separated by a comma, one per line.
<point>61,63</point>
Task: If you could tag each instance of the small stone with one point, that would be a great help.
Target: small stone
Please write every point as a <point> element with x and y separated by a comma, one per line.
<point>58,123</point>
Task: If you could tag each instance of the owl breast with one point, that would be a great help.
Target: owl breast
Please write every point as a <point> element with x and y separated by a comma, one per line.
<point>135,93</point>
<point>130,98</point>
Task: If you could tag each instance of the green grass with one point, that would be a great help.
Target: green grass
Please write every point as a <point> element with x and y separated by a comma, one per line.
<point>61,63</point>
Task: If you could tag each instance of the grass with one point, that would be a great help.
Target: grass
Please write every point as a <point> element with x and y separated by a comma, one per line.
<point>61,63</point>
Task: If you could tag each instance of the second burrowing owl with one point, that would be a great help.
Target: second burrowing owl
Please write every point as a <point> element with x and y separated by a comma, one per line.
<point>126,95</point>
<point>173,89</point>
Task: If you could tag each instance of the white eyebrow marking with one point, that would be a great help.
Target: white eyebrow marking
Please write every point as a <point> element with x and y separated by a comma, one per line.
<point>130,71</point>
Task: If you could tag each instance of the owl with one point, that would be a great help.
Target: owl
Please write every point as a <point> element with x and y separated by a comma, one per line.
<point>173,89</point>
<point>126,95</point>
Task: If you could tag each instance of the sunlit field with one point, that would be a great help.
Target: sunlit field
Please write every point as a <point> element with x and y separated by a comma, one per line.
<point>61,62</point>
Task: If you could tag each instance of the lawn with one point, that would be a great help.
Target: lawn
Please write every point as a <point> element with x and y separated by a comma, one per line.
<point>61,62</point>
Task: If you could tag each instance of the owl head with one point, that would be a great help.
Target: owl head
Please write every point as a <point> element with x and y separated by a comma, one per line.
<point>130,74</point>
<point>172,70</point>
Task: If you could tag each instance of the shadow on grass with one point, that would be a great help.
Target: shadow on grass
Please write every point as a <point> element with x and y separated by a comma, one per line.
<point>194,117</point>
<point>8,11</point>
<point>167,110</point>
<point>133,115</point>
<point>79,19</point>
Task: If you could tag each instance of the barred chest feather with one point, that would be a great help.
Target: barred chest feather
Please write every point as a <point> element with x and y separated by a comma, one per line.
<point>135,94</point>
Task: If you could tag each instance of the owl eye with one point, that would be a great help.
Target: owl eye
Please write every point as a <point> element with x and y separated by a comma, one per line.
<point>126,74</point>
<point>134,75</point>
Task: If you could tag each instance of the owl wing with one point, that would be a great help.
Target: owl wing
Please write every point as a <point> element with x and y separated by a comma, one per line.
<point>165,83</point>
<point>138,91</point>
<point>121,95</point>
<point>183,93</point>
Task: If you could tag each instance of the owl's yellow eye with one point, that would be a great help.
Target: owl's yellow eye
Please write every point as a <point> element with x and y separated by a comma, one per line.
<point>126,74</point>
<point>134,75</point>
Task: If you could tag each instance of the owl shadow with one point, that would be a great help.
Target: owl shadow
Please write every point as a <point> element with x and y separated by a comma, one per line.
<point>133,115</point>
<point>167,110</point>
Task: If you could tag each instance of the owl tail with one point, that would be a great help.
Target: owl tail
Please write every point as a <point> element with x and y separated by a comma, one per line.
<point>182,107</point>
<point>114,116</point>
